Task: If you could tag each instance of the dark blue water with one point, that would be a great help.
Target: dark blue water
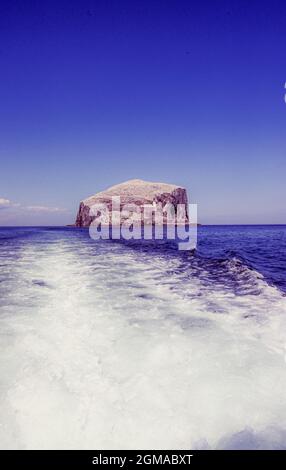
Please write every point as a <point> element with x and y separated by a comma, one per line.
<point>261,247</point>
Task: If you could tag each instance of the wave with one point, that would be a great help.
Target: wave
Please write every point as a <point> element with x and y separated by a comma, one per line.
<point>112,345</point>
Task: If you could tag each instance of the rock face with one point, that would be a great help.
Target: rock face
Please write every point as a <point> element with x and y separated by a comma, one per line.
<point>137,192</point>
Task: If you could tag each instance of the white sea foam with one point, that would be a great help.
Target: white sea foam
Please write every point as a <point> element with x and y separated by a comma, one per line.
<point>126,349</point>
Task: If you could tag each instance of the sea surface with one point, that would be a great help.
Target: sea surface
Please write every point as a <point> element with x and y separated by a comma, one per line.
<point>111,344</point>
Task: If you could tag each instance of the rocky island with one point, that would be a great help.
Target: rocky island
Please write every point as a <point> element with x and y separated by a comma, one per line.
<point>135,191</point>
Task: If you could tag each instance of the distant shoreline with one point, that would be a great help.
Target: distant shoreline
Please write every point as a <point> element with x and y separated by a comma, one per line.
<point>199,225</point>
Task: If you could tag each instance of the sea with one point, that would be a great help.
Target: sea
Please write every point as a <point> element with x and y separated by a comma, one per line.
<point>114,344</point>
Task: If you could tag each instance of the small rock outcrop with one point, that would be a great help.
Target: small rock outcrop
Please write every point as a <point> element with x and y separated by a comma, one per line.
<point>137,192</point>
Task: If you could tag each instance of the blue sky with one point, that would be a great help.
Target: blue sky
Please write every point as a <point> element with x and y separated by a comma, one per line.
<point>94,93</point>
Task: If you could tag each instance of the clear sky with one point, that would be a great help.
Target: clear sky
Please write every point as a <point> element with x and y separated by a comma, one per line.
<point>93,93</point>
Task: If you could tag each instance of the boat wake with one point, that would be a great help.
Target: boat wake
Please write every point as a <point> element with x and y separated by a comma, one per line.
<point>114,345</point>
